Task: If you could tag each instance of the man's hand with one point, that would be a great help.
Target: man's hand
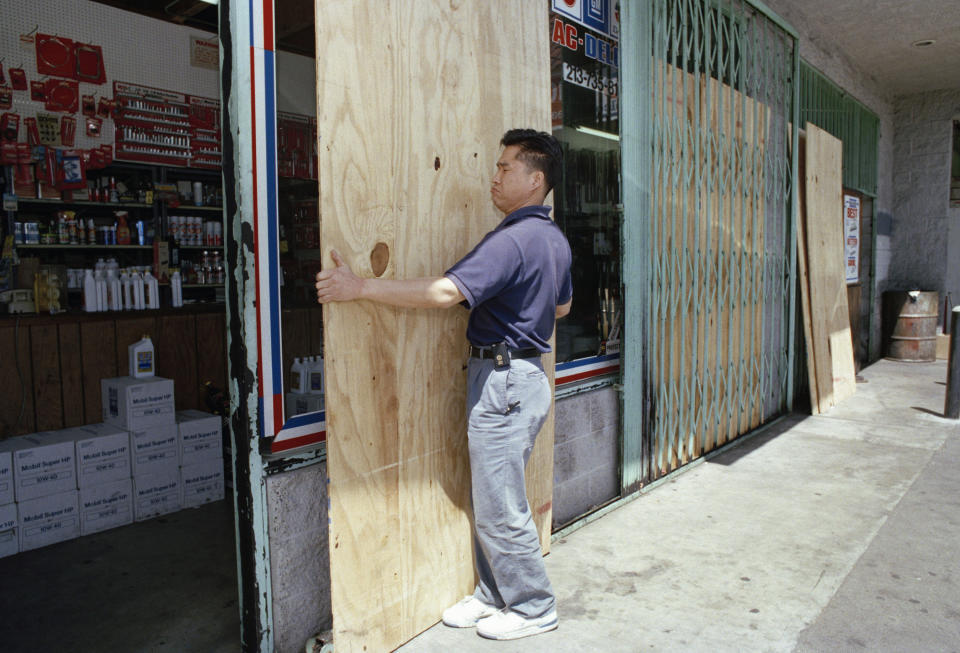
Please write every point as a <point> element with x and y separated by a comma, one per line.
<point>338,284</point>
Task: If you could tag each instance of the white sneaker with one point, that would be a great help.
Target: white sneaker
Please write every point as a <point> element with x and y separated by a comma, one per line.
<point>467,613</point>
<point>506,624</point>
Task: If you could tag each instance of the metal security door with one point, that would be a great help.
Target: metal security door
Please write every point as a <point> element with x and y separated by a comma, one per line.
<point>716,278</point>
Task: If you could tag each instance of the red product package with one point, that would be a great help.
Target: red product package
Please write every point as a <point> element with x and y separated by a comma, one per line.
<point>55,56</point>
<point>24,159</point>
<point>106,107</point>
<point>10,126</point>
<point>96,159</point>
<point>18,79</point>
<point>68,130</point>
<point>6,98</point>
<point>38,91</point>
<point>63,95</point>
<point>8,154</point>
<point>33,134</point>
<point>106,151</point>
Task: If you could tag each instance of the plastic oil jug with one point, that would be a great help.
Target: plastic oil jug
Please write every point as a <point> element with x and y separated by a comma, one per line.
<point>298,376</point>
<point>316,375</point>
<point>141,358</point>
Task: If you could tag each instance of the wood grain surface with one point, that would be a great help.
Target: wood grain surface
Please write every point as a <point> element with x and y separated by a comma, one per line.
<point>412,101</point>
<point>830,323</point>
<point>708,248</point>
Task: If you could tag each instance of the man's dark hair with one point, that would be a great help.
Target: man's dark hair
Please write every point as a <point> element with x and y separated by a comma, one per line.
<point>539,150</point>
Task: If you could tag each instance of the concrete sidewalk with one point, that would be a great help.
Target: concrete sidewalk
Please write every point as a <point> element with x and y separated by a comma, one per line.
<point>832,533</point>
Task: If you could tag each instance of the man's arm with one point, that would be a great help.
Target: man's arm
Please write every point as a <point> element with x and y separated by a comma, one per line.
<point>563,309</point>
<point>340,284</point>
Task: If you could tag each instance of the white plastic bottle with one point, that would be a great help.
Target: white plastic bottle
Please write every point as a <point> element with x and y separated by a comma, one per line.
<point>315,386</point>
<point>298,376</point>
<point>136,281</point>
<point>89,291</point>
<point>101,284</point>
<point>141,358</point>
<point>114,291</point>
<point>176,288</point>
<point>151,291</point>
<point>127,290</point>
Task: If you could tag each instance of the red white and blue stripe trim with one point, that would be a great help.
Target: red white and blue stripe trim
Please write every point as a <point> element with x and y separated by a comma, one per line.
<point>586,368</point>
<point>305,429</point>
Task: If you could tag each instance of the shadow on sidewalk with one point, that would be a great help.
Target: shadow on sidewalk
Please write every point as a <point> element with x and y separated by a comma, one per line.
<point>752,443</point>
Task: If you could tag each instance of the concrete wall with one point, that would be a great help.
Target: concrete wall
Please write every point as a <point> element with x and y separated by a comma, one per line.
<point>586,460</point>
<point>299,558</point>
<point>925,254</point>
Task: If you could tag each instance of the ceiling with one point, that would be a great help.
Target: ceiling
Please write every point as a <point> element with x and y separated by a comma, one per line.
<point>293,19</point>
<point>875,36</point>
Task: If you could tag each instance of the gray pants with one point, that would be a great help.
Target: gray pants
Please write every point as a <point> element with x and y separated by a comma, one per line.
<point>505,410</point>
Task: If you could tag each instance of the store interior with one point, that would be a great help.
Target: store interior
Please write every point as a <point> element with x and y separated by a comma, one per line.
<point>113,231</point>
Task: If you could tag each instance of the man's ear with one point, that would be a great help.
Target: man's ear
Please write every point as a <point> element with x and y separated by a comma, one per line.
<point>539,179</point>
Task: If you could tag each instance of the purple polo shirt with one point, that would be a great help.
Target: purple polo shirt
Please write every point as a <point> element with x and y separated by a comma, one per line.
<point>514,279</point>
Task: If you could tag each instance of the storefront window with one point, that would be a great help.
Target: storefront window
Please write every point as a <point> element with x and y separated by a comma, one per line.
<point>585,87</point>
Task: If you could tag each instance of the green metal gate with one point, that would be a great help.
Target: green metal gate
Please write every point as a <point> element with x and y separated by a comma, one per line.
<point>710,94</point>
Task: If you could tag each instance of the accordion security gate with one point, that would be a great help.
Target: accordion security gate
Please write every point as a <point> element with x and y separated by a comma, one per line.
<point>709,227</point>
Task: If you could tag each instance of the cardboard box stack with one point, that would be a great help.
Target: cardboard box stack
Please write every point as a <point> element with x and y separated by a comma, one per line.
<point>9,543</point>
<point>103,477</point>
<point>144,460</point>
<point>45,489</point>
<point>145,408</point>
<point>201,458</point>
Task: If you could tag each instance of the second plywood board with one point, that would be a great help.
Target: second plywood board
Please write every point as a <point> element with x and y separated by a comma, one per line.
<point>412,101</point>
<point>831,345</point>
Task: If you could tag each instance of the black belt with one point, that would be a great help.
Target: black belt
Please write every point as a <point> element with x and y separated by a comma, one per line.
<point>487,352</point>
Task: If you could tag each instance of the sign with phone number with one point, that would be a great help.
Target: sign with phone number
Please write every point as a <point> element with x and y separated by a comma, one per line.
<point>573,74</point>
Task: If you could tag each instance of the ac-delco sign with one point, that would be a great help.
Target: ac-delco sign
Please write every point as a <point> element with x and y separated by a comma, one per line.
<point>593,47</point>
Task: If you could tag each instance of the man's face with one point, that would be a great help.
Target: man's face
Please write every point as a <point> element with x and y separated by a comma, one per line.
<point>515,184</point>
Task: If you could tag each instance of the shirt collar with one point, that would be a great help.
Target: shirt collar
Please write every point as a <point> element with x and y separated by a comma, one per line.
<point>535,211</point>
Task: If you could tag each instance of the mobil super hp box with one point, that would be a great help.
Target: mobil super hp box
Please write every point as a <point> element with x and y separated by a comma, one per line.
<point>107,505</point>
<point>200,436</point>
<point>6,475</point>
<point>103,454</point>
<point>201,482</point>
<point>156,494</point>
<point>155,449</point>
<point>48,520</point>
<point>43,463</point>
<point>137,404</point>
<point>9,540</point>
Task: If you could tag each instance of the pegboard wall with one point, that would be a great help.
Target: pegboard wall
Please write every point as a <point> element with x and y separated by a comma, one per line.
<point>135,48</point>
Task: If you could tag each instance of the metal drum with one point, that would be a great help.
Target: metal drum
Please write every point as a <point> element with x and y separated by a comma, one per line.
<point>910,325</point>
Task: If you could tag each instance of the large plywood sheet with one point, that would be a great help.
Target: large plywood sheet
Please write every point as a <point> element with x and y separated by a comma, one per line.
<point>412,100</point>
<point>708,240</point>
<point>829,318</point>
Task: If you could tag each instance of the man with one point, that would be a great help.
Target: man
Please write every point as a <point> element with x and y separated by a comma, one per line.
<point>516,282</point>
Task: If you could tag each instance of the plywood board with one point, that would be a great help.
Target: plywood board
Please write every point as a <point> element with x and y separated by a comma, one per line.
<point>708,247</point>
<point>804,277</point>
<point>830,324</point>
<point>412,101</point>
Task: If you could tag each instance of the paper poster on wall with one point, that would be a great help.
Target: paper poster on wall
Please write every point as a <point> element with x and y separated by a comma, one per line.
<point>204,53</point>
<point>851,237</point>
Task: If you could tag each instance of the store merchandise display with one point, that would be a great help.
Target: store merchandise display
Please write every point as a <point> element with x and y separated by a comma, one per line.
<point>59,485</point>
<point>306,386</point>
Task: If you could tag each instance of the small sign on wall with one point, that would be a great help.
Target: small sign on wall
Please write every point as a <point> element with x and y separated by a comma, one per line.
<point>851,237</point>
<point>204,53</point>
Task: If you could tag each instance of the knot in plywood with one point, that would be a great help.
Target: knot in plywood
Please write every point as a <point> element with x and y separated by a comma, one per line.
<point>379,258</point>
